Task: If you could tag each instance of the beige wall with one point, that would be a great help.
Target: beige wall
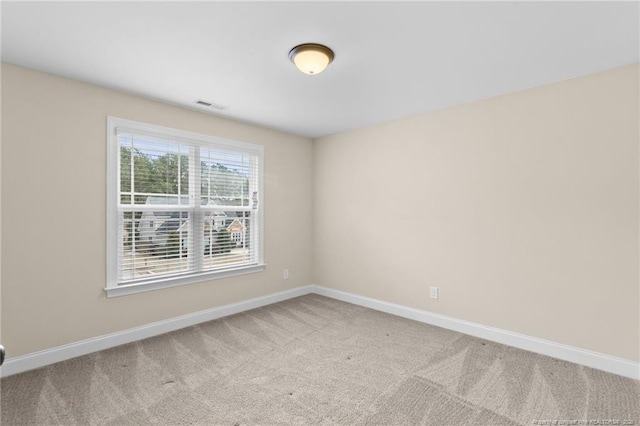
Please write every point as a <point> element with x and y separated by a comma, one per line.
<point>53,213</point>
<point>522,209</point>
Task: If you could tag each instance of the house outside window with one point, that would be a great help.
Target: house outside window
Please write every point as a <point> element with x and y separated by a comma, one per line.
<point>182,207</point>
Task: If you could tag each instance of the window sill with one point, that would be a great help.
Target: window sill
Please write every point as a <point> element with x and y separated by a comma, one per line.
<point>125,289</point>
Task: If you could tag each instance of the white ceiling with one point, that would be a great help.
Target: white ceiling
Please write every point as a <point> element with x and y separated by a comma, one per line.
<point>392,59</point>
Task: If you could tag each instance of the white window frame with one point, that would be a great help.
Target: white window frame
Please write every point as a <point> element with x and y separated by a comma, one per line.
<point>113,165</point>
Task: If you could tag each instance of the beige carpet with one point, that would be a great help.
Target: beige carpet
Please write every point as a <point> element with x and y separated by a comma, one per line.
<point>314,360</point>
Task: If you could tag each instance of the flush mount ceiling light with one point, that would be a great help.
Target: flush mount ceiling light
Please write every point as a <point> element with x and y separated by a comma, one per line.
<point>311,58</point>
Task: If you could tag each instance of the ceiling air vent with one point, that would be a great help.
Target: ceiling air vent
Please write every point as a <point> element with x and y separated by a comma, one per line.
<point>211,105</point>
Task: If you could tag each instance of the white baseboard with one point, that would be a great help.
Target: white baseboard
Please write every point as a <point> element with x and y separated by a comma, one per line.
<point>622,367</point>
<point>84,347</point>
<point>611,364</point>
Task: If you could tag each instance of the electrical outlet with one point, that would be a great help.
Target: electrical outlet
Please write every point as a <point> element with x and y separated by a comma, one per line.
<point>285,274</point>
<point>433,292</point>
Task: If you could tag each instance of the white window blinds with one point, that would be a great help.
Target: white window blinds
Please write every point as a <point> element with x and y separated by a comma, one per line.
<point>186,205</point>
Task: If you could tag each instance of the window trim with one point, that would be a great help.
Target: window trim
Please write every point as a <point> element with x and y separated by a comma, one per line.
<point>112,288</point>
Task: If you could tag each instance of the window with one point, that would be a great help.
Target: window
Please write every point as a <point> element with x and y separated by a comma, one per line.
<point>182,207</point>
